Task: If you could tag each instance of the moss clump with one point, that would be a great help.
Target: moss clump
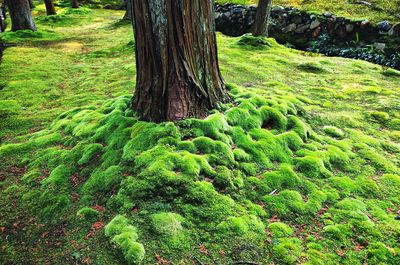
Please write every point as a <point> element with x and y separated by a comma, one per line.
<point>88,214</point>
<point>249,228</point>
<point>380,116</point>
<point>333,132</point>
<point>312,67</point>
<point>391,72</point>
<point>312,167</point>
<point>279,230</point>
<point>169,228</point>
<point>250,40</point>
<point>287,250</point>
<point>124,236</point>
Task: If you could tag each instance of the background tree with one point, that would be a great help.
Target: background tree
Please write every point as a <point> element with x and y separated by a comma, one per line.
<point>31,5</point>
<point>260,27</point>
<point>21,15</point>
<point>128,13</point>
<point>50,7</point>
<point>3,23</point>
<point>74,4</point>
<point>176,59</point>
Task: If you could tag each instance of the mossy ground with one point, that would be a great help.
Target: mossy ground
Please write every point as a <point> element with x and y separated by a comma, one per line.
<point>301,168</point>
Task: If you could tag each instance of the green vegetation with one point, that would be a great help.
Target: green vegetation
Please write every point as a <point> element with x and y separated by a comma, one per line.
<point>302,166</point>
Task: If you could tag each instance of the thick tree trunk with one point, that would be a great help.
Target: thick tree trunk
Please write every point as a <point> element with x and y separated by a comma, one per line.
<point>128,13</point>
<point>50,7</point>
<point>260,27</point>
<point>176,58</point>
<point>21,16</point>
<point>74,4</point>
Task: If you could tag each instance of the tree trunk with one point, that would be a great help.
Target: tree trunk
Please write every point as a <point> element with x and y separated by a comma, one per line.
<point>21,16</point>
<point>3,23</point>
<point>31,5</point>
<point>176,59</point>
<point>50,7</point>
<point>128,13</point>
<point>260,27</point>
<point>74,4</point>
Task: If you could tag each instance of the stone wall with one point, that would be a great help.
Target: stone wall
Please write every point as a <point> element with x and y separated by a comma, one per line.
<point>299,27</point>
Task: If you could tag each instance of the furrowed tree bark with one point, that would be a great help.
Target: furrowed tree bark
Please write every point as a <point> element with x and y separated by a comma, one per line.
<point>128,13</point>
<point>20,14</point>
<point>176,59</point>
<point>74,4</point>
<point>50,7</point>
<point>260,27</point>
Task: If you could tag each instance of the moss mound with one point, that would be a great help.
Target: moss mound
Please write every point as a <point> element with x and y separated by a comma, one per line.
<point>247,181</point>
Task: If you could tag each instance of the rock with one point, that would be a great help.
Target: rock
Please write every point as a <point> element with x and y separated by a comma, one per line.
<point>316,32</point>
<point>297,19</point>
<point>238,10</point>
<point>365,23</point>
<point>330,24</point>
<point>278,9</point>
<point>395,31</point>
<point>363,3</point>
<point>327,14</point>
<point>302,28</point>
<point>349,28</point>
<point>384,25</point>
<point>397,217</point>
<point>315,24</point>
<point>289,28</point>
<point>380,46</point>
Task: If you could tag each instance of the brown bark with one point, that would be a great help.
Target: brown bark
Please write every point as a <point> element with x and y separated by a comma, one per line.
<point>176,59</point>
<point>260,27</point>
<point>50,7</point>
<point>74,4</point>
<point>21,16</point>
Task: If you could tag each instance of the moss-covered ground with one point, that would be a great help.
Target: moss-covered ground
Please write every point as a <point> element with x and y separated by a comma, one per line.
<point>302,167</point>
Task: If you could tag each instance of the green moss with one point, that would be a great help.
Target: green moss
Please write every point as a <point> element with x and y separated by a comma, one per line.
<point>390,187</point>
<point>247,227</point>
<point>169,228</point>
<point>250,40</point>
<point>124,236</point>
<point>312,167</point>
<point>312,67</point>
<point>90,152</point>
<point>279,230</point>
<point>333,131</point>
<point>380,116</point>
<point>287,250</point>
<point>88,214</point>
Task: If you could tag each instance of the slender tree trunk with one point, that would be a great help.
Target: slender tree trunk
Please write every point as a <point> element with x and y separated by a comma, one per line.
<point>31,5</point>
<point>128,13</point>
<point>3,23</point>
<point>74,4</point>
<point>21,16</point>
<point>176,58</point>
<point>50,7</point>
<point>260,27</point>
